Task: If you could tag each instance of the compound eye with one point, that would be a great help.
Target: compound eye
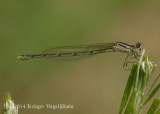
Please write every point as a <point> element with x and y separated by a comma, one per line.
<point>138,45</point>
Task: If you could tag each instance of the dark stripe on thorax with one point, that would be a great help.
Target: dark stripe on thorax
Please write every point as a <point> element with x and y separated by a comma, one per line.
<point>124,45</point>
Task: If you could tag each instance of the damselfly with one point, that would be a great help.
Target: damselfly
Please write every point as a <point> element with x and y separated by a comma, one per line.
<point>70,53</point>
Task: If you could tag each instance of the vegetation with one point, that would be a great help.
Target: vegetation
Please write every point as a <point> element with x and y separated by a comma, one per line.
<point>135,96</point>
<point>9,106</point>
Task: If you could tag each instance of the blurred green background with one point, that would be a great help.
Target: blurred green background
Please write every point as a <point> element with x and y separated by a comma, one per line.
<point>93,86</point>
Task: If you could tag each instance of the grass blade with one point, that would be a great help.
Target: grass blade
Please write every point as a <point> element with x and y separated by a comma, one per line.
<point>158,112</point>
<point>153,84</point>
<point>152,94</point>
<point>128,89</point>
<point>154,106</point>
<point>130,109</point>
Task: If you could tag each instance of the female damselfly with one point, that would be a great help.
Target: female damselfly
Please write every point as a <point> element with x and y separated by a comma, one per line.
<point>70,53</point>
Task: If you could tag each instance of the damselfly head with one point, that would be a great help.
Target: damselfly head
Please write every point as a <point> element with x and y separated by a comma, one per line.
<point>138,46</point>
